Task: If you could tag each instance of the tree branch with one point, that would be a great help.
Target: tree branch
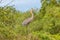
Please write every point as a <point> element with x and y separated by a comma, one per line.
<point>0,1</point>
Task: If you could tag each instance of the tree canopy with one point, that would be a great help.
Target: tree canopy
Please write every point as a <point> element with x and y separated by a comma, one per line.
<point>45,26</point>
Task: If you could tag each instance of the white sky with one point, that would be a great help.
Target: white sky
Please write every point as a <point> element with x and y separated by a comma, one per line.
<point>23,5</point>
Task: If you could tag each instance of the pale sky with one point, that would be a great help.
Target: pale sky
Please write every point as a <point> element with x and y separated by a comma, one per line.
<point>23,5</point>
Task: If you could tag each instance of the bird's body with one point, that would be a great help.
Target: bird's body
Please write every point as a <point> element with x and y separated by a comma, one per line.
<point>25,22</point>
<point>28,20</point>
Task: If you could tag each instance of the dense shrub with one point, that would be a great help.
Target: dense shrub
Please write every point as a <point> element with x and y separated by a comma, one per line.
<point>45,26</point>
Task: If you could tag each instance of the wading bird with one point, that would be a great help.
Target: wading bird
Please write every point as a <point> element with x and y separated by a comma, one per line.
<point>28,20</point>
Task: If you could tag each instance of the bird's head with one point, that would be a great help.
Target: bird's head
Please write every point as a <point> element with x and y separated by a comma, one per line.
<point>31,11</point>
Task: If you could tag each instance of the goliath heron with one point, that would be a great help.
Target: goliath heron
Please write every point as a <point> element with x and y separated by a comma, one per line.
<point>28,20</point>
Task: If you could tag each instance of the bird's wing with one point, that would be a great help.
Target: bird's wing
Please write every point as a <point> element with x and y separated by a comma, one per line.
<point>26,21</point>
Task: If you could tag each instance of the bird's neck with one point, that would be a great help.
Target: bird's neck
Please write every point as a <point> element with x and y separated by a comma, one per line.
<point>32,16</point>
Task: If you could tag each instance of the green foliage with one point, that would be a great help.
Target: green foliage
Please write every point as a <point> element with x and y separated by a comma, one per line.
<point>45,26</point>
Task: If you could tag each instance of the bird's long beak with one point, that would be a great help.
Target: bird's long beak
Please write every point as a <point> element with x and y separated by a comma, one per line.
<point>31,11</point>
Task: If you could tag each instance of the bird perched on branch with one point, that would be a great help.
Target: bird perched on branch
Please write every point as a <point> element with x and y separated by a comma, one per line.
<point>28,20</point>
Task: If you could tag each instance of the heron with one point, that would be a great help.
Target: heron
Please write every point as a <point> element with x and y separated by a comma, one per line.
<point>28,20</point>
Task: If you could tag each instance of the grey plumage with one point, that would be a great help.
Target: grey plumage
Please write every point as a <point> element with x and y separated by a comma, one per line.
<point>28,20</point>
